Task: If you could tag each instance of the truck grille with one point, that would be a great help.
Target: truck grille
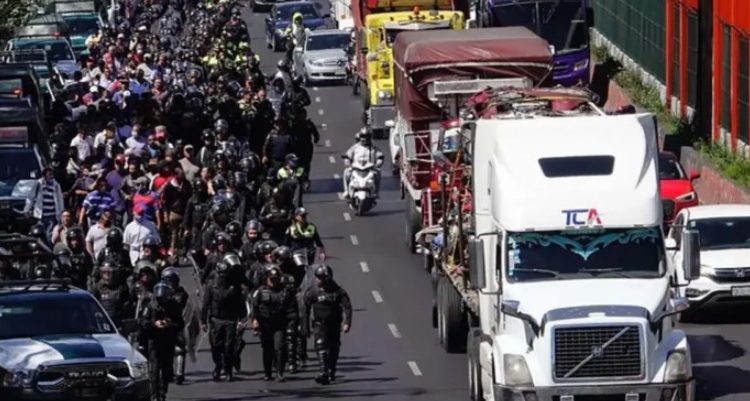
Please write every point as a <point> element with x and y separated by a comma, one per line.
<point>736,275</point>
<point>597,352</point>
<point>668,207</point>
<point>601,397</point>
<point>60,377</point>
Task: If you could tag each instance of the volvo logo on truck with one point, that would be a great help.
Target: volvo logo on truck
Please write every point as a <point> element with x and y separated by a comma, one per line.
<point>573,217</point>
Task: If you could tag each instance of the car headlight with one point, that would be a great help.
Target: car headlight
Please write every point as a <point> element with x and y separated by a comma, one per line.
<point>688,197</point>
<point>317,63</point>
<point>139,370</point>
<point>678,367</point>
<point>384,95</point>
<point>516,371</point>
<point>583,64</point>
<point>707,271</point>
<point>280,32</point>
<point>17,378</point>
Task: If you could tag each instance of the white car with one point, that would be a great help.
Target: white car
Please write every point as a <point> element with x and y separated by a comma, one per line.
<point>724,252</point>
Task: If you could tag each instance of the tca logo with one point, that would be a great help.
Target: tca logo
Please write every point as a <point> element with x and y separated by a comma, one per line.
<point>575,217</point>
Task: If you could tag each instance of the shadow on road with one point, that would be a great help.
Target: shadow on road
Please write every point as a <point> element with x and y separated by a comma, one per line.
<point>724,380</point>
<point>727,314</point>
<point>713,348</point>
<point>331,391</point>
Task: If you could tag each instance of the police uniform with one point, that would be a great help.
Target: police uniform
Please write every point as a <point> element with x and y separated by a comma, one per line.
<point>161,342</point>
<point>303,236</point>
<point>275,310</point>
<point>223,307</point>
<point>331,309</point>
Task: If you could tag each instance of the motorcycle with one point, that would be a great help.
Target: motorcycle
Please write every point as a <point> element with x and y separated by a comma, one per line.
<point>361,190</point>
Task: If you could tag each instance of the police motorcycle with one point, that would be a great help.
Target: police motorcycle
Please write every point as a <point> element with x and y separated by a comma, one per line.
<point>361,191</point>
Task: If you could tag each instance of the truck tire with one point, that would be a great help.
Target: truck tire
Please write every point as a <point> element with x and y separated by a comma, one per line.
<point>412,224</point>
<point>427,260</point>
<point>439,310</point>
<point>455,328</point>
<point>435,279</point>
<point>475,370</point>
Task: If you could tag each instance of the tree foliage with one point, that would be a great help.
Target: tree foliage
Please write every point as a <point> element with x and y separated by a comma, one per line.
<point>15,13</point>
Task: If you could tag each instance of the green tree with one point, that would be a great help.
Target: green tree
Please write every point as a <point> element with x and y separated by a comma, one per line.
<point>15,13</point>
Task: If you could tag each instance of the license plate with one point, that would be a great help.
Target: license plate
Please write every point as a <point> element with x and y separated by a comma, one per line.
<point>741,291</point>
<point>92,392</point>
<point>342,73</point>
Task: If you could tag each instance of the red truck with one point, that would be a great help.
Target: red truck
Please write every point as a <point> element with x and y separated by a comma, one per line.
<point>435,73</point>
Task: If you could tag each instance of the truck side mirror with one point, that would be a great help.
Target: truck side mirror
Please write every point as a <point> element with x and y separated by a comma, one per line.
<point>476,267</point>
<point>590,16</point>
<point>691,258</point>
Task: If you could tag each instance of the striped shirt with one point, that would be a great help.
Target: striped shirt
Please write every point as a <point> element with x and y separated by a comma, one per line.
<point>48,201</point>
<point>97,203</point>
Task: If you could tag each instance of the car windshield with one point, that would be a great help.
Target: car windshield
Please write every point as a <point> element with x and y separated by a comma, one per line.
<point>578,254</point>
<point>307,11</point>
<point>723,233</point>
<point>559,22</point>
<point>11,87</point>
<point>670,169</point>
<point>16,165</point>
<point>82,24</point>
<point>325,42</point>
<point>57,50</point>
<point>21,318</point>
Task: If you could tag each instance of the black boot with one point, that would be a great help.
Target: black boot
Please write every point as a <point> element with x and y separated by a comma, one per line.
<point>324,376</point>
<point>217,374</point>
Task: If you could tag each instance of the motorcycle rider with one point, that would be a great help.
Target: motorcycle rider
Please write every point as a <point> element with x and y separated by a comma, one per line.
<point>160,324</point>
<point>361,153</point>
<point>297,32</point>
<point>332,314</point>
<point>274,310</point>
<point>112,292</point>
<point>180,298</point>
<point>223,307</point>
<point>304,235</point>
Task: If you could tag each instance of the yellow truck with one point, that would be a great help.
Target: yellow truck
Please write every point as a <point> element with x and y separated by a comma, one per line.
<point>375,57</point>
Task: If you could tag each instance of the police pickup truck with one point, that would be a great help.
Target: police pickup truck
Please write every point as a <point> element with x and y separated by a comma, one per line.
<point>57,343</point>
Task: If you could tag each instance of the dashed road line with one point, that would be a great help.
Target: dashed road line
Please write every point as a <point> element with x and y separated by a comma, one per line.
<point>377,296</point>
<point>328,143</point>
<point>394,330</point>
<point>317,99</point>
<point>414,368</point>
<point>332,159</point>
<point>354,239</point>
<point>347,216</point>
<point>315,88</point>
<point>337,176</point>
<point>321,112</point>
<point>365,267</point>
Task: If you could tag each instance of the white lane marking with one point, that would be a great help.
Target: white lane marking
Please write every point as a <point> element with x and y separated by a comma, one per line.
<point>414,368</point>
<point>394,330</point>
<point>337,176</point>
<point>317,99</point>
<point>332,159</point>
<point>377,296</point>
<point>315,88</point>
<point>364,266</point>
<point>341,195</point>
<point>328,143</point>
<point>355,240</point>
<point>320,112</point>
<point>347,216</point>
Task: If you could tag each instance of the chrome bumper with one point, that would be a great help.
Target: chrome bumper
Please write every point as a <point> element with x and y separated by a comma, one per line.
<point>638,392</point>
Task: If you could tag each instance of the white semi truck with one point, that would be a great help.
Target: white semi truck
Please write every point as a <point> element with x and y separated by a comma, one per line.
<point>553,275</point>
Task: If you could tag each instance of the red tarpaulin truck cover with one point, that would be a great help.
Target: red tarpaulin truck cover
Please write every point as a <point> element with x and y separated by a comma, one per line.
<point>423,57</point>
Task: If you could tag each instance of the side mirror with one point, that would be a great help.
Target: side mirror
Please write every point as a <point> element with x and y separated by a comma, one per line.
<point>390,123</point>
<point>677,305</point>
<point>510,308</point>
<point>670,244</point>
<point>691,258</point>
<point>128,326</point>
<point>476,267</point>
<point>694,175</point>
<point>590,16</point>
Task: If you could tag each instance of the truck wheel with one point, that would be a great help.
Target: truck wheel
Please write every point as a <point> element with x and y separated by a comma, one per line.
<point>439,310</point>
<point>454,319</point>
<point>411,225</point>
<point>427,259</point>
<point>434,280</point>
<point>475,370</point>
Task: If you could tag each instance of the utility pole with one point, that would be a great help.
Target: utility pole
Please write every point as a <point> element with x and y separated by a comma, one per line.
<point>704,101</point>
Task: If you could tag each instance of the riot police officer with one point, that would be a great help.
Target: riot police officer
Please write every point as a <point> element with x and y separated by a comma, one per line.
<point>196,214</point>
<point>332,314</point>
<point>234,230</point>
<point>114,251</point>
<point>180,297</point>
<point>274,310</point>
<point>81,263</point>
<point>248,250</point>
<point>219,219</point>
<point>276,215</point>
<point>223,307</point>
<point>263,262</point>
<point>222,244</point>
<point>160,323</point>
<point>112,292</point>
<point>304,235</point>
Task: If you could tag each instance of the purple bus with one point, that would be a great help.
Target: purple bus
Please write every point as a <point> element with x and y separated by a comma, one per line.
<point>562,23</point>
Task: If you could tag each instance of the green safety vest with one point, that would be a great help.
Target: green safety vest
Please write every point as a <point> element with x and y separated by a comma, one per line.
<point>283,173</point>
<point>296,230</point>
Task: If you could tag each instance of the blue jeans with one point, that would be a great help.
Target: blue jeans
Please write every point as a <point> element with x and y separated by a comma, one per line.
<point>49,223</point>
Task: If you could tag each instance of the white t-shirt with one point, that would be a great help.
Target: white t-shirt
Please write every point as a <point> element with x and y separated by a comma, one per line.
<point>97,235</point>
<point>134,236</point>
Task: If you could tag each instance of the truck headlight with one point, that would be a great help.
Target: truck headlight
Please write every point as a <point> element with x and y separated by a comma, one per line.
<point>384,95</point>
<point>139,370</point>
<point>707,271</point>
<point>17,378</point>
<point>516,371</point>
<point>688,197</point>
<point>678,367</point>
<point>581,65</point>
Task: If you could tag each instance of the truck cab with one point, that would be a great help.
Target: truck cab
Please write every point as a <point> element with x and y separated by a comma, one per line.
<point>567,256</point>
<point>83,20</point>
<point>377,37</point>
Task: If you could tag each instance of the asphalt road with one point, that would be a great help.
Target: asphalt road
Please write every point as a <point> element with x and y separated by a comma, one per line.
<point>392,352</point>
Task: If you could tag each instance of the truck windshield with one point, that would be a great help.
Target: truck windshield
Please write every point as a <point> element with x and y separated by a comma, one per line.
<point>57,50</point>
<point>82,24</point>
<point>21,317</point>
<point>17,164</point>
<point>551,255</point>
<point>723,233</point>
<point>560,22</point>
